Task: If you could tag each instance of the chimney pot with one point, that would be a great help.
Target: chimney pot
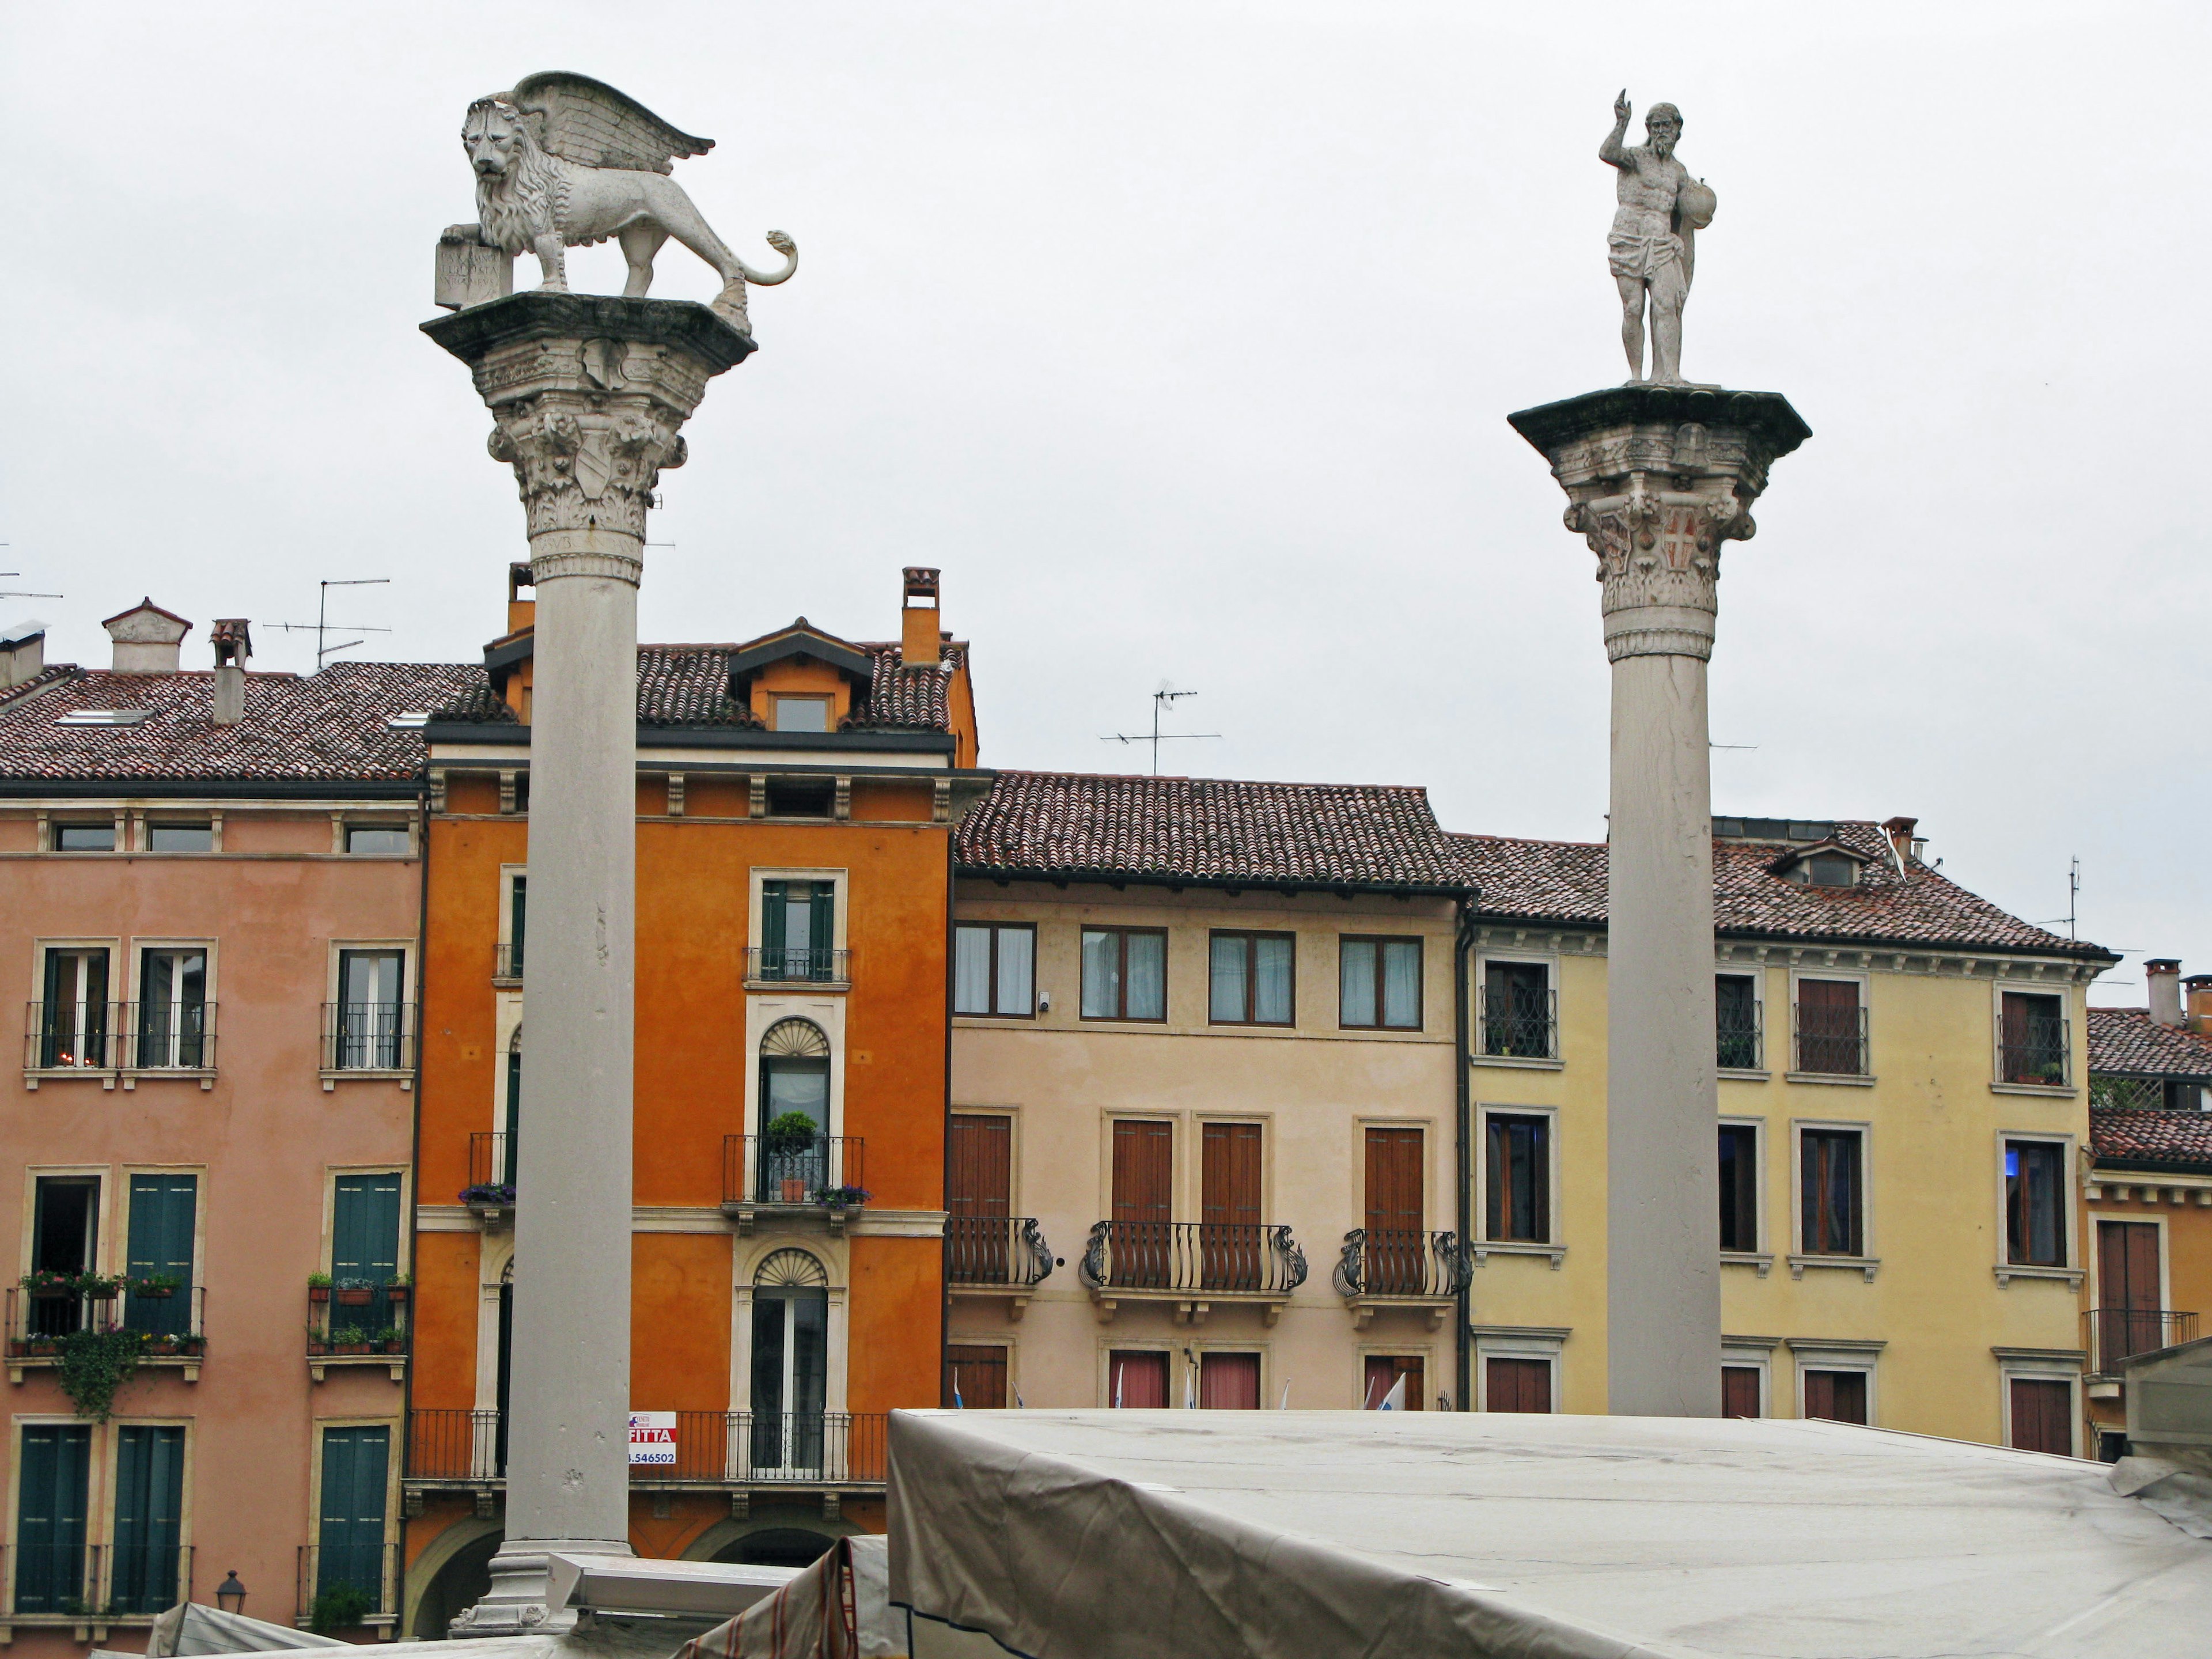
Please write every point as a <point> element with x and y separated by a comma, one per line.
<point>2163,973</point>
<point>22,653</point>
<point>918,630</point>
<point>233,643</point>
<point>147,639</point>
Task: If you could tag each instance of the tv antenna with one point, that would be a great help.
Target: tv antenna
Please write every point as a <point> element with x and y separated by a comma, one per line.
<point>1162,698</point>
<point>322,624</point>
<point>2073,898</point>
<point>6,593</point>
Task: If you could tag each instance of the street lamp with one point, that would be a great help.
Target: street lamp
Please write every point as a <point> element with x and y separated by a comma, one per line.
<point>230,1594</point>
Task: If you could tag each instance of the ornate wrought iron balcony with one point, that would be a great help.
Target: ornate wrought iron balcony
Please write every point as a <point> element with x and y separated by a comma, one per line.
<point>995,1251</point>
<point>1194,1262</point>
<point>1377,1268</point>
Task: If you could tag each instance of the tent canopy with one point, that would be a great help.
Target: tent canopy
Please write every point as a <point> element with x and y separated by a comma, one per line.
<point>1308,1536</point>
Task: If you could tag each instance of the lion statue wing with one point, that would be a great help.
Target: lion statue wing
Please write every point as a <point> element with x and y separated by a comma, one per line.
<point>589,123</point>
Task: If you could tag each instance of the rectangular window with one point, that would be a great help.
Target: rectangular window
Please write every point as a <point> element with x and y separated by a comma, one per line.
<point>798,930</point>
<point>2032,1046</point>
<point>180,837</point>
<point>172,1008</point>
<point>385,838</point>
<point>518,922</point>
<point>64,1239</point>
<point>975,1377</point>
<point>1516,1385</point>
<point>979,1175</point>
<point>1379,983</point>
<point>1251,979</point>
<point>2042,1415</point>
<point>1229,1382</point>
<point>802,713</point>
<point>365,1249</point>
<point>2131,1307</point>
<point>164,1211</point>
<point>1518,1156</point>
<point>371,1014</point>
<point>1517,1019</point>
<point>2035,1200</point>
<point>1142,1236</point>
<point>1735,1022</point>
<point>1838,1396</point>
<point>800,798</point>
<point>51,1490</point>
<point>995,969</point>
<point>85,837</point>
<point>1831,1028</point>
<point>1125,973</point>
<point>1231,1250</point>
<point>1739,1391</point>
<point>1833,1192</point>
<point>1136,1379</point>
<point>149,1506</point>
<point>1395,1257</point>
<point>350,1539</point>
<point>1385,1373</point>
<point>73,1020</point>
<point>1739,1187</point>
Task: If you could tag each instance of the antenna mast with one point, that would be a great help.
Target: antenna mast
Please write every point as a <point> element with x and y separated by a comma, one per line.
<point>1161,699</point>
<point>322,623</point>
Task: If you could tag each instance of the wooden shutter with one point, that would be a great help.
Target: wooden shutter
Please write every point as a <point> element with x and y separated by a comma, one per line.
<point>350,1540</point>
<point>1396,1247</point>
<point>978,1236</point>
<point>1137,1378</point>
<point>821,927</point>
<point>1229,1174</point>
<point>771,938</point>
<point>162,1210</point>
<point>981,1374</point>
<point>2042,1410</point>
<point>365,1242</point>
<point>1838,1396</point>
<point>1142,1234</point>
<point>1229,1382</point>
<point>53,1478</point>
<point>150,1499</point>
<point>1517,1385</point>
<point>1383,1371</point>
<point>1739,1391</point>
<point>2128,1292</point>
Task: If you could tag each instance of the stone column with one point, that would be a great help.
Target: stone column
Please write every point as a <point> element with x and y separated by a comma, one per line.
<point>1658,479</point>
<point>588,393</point>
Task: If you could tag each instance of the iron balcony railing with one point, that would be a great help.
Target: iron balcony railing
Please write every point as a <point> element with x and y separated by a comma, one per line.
<point>366,1576</point>
<point>2045,1058</point>
<point>1392,1263</point>
<point>796,964</point>
<point>171,1323</point>
<point>773,1169</point>
<point>1738,1043</point>
<point>348,1319</point>
<point>491,1159</point>
<point>1831,1041</point>
<point>1257,1258</point>
<point>368,1037</point>
<point>96,1581</point>
<point>767,1449</point>
<point>2113,1334</point>
<point>507,961</point>
<point>170,1037</point>
<point>1521,1025</point>
<point>448,1444</point>
<point>995,1250</point>
<point>75,1037</point>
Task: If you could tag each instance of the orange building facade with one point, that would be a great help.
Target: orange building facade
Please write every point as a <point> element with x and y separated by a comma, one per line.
<point>796,800</point>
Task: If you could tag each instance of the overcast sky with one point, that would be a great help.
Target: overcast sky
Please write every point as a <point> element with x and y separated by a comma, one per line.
<point>1182,337</point>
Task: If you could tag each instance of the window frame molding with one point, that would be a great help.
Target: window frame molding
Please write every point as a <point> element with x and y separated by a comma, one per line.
<point>1122,931</point>
<point>1811,1354</point>
<point>1421,941</point>
<point>1478,988</point>
<point>1484,1246</point>
<point>1109,1345</point>
<point>1868,1262</point>
<point>2092,1257</point>
<point>1761,1254</point>
<point>1194,1350</point>
<point>2072,1249</point>
<point>1191,1172</point>
<point>1756,973</point>
<point>833,1257</point>
<point>1754,1353</point>
<point>103,1175</point>
<point>52,821</point>
<point>996,927</point>
<point>394,1474</point>
<point>1863,978</point>
<point>509,872</point>
<point>840,883</point>
<point>343,821</point>
<point>2076,1059</point>
<point>2043,1365</point>
<point>410,971</point>
<point>118,948</point>
<point>1180,1141</point>
<point>1425,1352</point>
<point>1251,936</point>
<point>1545,1342</point>
<point>135,967</point>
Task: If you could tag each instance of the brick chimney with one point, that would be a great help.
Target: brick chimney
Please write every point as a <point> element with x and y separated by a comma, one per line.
<point>147,639</point>
<point>22,653</point>
<point>918,639</point>
<point>1903,843</point>
<point>233,644</point>
<point>2198,989</point>
<point>2164,976</point>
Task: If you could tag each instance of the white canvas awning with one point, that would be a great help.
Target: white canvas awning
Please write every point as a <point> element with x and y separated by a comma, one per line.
<point>1310,1535</point>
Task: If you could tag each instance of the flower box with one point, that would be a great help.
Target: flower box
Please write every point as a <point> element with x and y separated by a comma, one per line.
<point>319,1293</point>
<point>350,1347</point>
<point>793,1190</point>
<point>395,1293</point>
<point>51,1292</point>
<point>354,1296</point>
<point>154,1293</point>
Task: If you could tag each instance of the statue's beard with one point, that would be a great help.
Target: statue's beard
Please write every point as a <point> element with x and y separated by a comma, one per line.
<point>1663,147</point>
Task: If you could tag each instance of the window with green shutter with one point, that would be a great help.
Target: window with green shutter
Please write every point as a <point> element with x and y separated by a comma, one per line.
<point>163,1211</point>
<point>53,1476</point>
<point>365,1247</point>
<point>149,1507</point>
<point>798,930</point>
<point>349,1541</point>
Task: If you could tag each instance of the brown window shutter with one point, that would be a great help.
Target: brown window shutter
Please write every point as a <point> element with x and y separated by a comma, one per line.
<point>2041,1408</point>
<point>1739,1391</point>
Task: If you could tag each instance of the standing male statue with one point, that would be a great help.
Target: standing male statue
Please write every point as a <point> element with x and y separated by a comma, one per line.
<point>1654,240</point>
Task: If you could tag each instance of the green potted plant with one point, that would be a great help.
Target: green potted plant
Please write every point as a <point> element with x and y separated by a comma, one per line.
<point>155,1287</point>
<point>389,1341</point>
<point>44,1285</point>
<point>788,1139</point>
<point>319,1340</point>
<point>342,1607</point>
<point>318,1287</point>
<point>353,1292</point>
<point>349,1339</point>
<point>396,1289</point>
<point>841,1198</point>
<point>98,1287</point>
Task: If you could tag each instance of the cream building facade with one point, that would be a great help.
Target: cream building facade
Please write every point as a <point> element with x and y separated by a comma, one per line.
<point>1902,1115</point>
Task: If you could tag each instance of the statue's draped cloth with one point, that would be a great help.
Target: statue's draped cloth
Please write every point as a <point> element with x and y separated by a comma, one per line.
<point>1643,245</point>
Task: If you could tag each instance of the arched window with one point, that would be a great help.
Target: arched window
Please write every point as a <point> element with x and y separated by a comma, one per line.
<point>507,1146</point>
<point>794,1160</point>
<point>791,1361</point>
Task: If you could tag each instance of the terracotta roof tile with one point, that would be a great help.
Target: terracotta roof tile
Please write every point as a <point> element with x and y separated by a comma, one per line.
<point>332,726</point>
<point>1067,824</point>
<point>2128,1041</point>
<point>2149,1136</point>
<point>1564,882</point>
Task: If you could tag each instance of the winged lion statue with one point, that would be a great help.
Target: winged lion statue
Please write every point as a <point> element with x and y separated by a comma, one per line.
<point>563,160</point>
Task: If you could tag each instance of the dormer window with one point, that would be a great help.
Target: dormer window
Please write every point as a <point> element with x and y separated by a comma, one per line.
<point>801,714</point>
<point>1828,870</point>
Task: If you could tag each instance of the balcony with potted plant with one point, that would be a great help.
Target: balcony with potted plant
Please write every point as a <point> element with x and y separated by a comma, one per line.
<point>93,1324</point>
<point>354,1322</point>
<point>793,1170</point>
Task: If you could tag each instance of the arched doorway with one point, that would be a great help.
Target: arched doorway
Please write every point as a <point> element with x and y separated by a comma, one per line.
<point>791,1361</point>
<point>455,1587</point>
<point>794,1157</point>
<point>776,1546</point>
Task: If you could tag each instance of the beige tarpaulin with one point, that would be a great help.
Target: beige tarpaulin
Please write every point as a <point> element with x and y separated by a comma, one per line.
<point>1171,1534</point>
<point>838,1608</point>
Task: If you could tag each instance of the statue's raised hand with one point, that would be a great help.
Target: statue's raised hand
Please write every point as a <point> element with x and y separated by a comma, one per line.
<point>1620,107</point>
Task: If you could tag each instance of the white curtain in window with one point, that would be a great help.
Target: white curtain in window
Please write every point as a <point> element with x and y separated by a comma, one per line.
<point>1271,989</point>
<point>1015,971</point>
<point>971,970</point>
<point>1101,976</point>
<point>1228,995</point>
<point>1402,983</point>
<point>1148,976</point>
<point>1355,977</point>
